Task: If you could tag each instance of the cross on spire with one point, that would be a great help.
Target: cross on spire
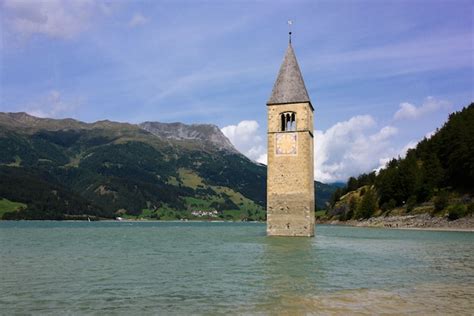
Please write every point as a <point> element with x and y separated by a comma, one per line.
<point>290,23</point>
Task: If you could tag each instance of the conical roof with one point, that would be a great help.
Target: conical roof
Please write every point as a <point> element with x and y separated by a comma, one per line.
<point>289,86</point>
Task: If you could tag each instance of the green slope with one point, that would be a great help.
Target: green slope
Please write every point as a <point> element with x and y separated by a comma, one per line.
<point>437,176</point>
<point>7,206</point>
<point>64,168</point>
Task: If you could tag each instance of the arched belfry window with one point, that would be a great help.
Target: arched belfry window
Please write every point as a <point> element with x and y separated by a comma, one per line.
<point>288,121</point>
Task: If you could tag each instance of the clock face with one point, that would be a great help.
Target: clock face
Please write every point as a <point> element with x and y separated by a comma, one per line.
<point>286,144</point>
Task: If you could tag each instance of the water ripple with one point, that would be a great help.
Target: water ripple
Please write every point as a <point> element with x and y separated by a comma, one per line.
<point>230,268</point>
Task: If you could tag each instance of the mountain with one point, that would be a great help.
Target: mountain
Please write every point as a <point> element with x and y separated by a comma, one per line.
<point>204,134</point>
<point>65,168</point>
<point>338,184</point>
<point>437,176</point>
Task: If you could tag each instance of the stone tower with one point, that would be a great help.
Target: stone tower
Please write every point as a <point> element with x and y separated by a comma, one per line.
<point>290,179</point>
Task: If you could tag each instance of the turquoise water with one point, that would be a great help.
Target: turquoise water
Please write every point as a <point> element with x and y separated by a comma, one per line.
<point>221,268</point>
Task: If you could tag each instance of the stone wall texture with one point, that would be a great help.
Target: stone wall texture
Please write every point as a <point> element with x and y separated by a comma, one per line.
<point>290,180</point>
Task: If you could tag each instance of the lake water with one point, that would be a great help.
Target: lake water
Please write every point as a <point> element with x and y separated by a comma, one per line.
<point>231,268</point>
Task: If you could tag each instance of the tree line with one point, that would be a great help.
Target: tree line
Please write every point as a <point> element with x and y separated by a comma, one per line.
<point>437,167</point>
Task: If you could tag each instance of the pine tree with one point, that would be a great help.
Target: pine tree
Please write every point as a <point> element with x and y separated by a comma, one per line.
<point>368,204</point>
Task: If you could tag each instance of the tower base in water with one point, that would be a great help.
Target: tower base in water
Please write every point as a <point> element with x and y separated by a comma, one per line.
<point>290,215</point>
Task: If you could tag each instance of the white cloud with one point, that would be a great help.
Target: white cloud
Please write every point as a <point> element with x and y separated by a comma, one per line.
<point>246,137</point>
<point>429,134</point>
<point>53,18</point>
<point>384,134</point>
<point>52,105</point>
<point>351,147</point>
<point>263,159</point>
<point>137,20</point>
<point>410,111</point>
<point>400,153</point>
<point>412,144</point>
<point>382,163</point>
<point>406,110</point>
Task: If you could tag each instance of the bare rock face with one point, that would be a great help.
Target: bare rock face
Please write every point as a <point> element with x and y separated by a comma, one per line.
<point>203,133</point>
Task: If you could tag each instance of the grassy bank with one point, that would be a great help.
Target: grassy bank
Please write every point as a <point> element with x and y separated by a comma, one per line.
<point>10,206</point>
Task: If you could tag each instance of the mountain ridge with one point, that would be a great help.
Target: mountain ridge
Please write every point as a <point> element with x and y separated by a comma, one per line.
<point>209,134</point>
<point>156,170</point>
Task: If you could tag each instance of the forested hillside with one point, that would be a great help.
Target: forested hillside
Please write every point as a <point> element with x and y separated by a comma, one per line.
<point>437,177</point>
<point>66,169</point>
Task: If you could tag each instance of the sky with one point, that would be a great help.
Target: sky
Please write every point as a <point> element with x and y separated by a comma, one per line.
<point>381,75</point>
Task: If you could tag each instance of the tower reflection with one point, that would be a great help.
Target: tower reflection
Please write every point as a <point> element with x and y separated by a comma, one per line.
<point>291,272</point>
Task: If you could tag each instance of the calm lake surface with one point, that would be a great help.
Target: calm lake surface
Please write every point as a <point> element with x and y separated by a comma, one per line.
<point>222,268</point>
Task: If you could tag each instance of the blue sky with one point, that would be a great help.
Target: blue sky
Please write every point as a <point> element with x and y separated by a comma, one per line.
<point>381,74</point>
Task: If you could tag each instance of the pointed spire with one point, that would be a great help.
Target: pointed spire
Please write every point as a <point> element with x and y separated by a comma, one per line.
<point>289,86</point>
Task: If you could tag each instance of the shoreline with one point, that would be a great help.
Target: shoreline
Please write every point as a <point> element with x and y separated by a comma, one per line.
<point>401,222</point>
<point>409,222</point>
<point>433,229</point>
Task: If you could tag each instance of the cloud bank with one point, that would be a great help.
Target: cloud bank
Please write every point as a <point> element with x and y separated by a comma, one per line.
<point>352,147</point>
<point>348,148</point>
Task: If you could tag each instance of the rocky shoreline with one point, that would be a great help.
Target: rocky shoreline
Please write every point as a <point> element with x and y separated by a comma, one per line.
<point>419,221</point>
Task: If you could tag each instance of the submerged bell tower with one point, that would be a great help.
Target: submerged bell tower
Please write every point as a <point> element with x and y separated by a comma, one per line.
<point>290,172</point>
